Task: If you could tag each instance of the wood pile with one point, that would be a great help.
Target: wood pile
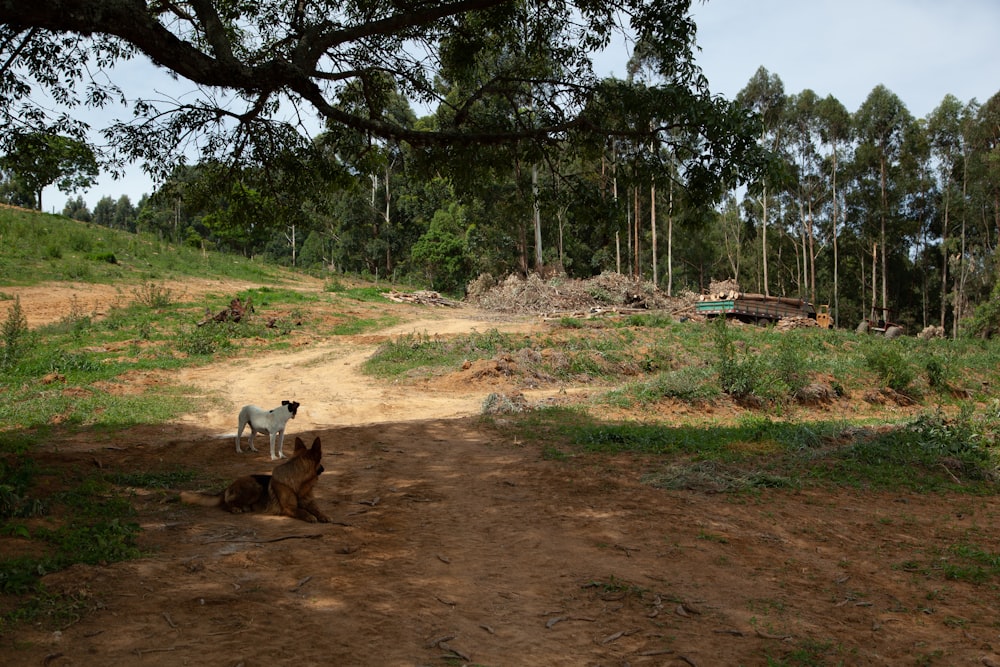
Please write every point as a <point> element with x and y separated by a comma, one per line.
<point>420,297</point>
<point>931,332</point>
<point>789,323</point>
<point>722,290</point>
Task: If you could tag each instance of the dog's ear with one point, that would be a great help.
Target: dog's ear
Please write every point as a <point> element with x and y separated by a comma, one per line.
<point>286,402</point>
<point>317,449</point>
<point>299,445</point>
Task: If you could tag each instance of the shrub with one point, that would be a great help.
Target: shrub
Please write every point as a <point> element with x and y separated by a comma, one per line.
<point>15,335</point>
<point>740,374</point>
<point>206,340</point>
<point>891,367</point>
<point>152,295</point>
<point>791,364</point>
<point>937,372</point>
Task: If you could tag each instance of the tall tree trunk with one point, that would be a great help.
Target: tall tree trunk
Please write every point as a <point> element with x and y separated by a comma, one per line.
<point>885,264</point>
<point>536,219</point>
<point>836,259</point>
<point>874,278</point>
<point>944,250</point>
<point>652,226</point>
<point>962,272</point>
<point>670,241</point>
<point>388,226</point>
<point>812,255</point>
<point>763,236</point>
<point>803,269</point>
<point>618,252</point>
<point>636,272</point>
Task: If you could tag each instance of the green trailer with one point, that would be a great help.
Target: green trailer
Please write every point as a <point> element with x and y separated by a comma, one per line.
<point>757,308</point>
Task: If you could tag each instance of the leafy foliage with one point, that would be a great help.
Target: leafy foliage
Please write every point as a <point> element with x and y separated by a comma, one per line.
<point>891,366</point>
<point>14,335</point>
<point>38,160</point>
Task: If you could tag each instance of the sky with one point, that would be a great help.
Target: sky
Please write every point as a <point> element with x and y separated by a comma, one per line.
<point>921,50</point>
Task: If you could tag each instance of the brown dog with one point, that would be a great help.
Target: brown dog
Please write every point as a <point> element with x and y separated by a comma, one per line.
<point>287,491</point>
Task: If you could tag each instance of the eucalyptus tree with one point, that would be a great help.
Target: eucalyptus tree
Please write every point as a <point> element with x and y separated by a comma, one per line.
<point>944,127</point>
<point>802,118</point>
<point>882,122</point>
<point>986,157</point>
<point>765,95</point>
<point>984,170</point>
<point>76,208</point>
<point>375,159</point>
<point>835,131</point>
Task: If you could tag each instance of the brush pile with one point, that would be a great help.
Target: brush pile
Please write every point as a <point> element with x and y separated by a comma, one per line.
<point>561,295</point>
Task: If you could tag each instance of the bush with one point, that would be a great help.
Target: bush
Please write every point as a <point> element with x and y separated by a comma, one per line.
<point>205,340</point>
<point>152,295</point>
<point>740,374</point>
<point>15,335</point>
<point>791,365</point>
<point>891,367</point>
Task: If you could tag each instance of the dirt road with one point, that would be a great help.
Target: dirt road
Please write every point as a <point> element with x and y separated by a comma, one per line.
<point>453,544</point>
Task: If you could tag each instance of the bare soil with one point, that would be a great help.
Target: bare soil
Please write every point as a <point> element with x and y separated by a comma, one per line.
<point>453,544</point>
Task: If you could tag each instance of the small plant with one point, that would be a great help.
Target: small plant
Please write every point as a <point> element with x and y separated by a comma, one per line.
<point>334,285</point>
<point>15,334</point>
<point>741,374</point>
<point>891,367</point>
<point>206,340</point>
<point>791,365</point>
<point>151,295</point>
<point>108,257</point>
<point>502,404</point>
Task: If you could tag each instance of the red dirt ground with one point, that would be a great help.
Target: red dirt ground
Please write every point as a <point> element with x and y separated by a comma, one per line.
<point>452,544</point>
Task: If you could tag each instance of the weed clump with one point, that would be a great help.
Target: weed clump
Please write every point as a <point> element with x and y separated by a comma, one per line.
<point>14,335</point>
<point>891,367</point>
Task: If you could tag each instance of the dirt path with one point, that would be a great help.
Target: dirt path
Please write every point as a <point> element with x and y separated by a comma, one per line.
<point>453,545</point>
<point>325,378</point>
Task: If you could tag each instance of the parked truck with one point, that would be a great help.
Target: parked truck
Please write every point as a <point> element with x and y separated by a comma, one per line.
<point>761,309</point>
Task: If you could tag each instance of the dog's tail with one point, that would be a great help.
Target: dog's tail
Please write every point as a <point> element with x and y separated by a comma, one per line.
<point>201,498</point>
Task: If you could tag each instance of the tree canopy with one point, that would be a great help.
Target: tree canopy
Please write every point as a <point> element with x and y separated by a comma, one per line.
<point>37,160</point>
<point>254,63</point>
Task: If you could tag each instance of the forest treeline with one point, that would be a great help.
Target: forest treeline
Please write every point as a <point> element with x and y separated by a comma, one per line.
<point>865,209</point>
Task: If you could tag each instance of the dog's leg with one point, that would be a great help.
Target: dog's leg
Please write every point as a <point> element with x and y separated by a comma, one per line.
<point>239,434</point>
<point>309,505</point>
<point>272,447</point>
<point>288,503</point>
<point>253,437</point>
<point>281,443</point>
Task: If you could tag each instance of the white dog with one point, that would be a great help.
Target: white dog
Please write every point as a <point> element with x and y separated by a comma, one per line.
<point>268,422</point>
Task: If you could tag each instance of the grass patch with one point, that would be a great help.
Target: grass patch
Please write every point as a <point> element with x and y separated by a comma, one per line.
<point>359,325</point>
<point>40,247</point>
<point>102,531</point>
<point>930,453</point>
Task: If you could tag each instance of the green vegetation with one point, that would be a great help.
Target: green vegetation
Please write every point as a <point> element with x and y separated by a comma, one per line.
<point>67,377</point>
<point>40,247</point>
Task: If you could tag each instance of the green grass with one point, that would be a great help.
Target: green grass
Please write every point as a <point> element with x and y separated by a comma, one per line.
<point>929,453</point>
<point>103,530</point>
<point>40,247</point>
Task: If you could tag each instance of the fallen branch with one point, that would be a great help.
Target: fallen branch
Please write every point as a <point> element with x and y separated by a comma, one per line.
<point>301,583</point>
<point>273,539</point>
